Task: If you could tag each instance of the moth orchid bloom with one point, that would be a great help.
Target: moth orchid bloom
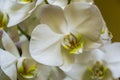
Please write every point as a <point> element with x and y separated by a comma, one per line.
<point>15,11</point>
<point>63,33</point>
<point>63,3</point>
<point>98,64</point>
<point>25,67</point>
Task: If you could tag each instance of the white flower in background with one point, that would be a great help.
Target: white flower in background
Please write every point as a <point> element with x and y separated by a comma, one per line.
<point>65,32</point>
<point>24,65</point>
<point>17,10</point>
<point>63,3</point>
<point>98,64</point>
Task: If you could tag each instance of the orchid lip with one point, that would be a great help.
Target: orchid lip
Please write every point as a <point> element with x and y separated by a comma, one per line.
<point>25,1</point>
<point>98,71</point>
<point>73,42</point>
<point>26,72</point>
<point>3,21</point>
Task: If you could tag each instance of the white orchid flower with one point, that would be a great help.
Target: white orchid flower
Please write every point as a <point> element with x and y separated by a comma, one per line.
<point>26,67</point>
<point>65,32</point>
<point>99,64</point>
<point>63,3</point>
<point>17,10</point>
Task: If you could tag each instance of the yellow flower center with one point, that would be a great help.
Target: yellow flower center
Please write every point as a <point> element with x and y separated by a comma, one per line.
<point>97,72</point>
<point>28,1</point>
<point>3,20</point>
<point>27,71</point>
<point>25,1</point>
<point>73,42</point>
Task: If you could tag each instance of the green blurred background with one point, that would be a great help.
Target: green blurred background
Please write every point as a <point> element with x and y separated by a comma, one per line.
<point>110,10</point>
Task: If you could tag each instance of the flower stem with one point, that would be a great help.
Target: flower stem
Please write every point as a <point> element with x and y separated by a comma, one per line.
<point>69,1</point>
<point>23,32</point>
<point>46,2</point>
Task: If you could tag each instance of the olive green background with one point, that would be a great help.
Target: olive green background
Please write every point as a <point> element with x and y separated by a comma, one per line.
<point>110,10</point>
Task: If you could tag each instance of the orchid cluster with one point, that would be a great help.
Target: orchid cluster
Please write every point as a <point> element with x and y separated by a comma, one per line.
<point>56,40</point>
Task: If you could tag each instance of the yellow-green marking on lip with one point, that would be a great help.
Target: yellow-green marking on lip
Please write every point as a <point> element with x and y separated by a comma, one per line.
<point>3,20</point>
<point>26,72</point>
<point>97,72</point>
<point>73,42</point>
<point>25,1</point>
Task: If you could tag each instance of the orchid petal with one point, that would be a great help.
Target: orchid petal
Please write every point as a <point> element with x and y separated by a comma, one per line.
<point>68,60</point>
<point>53,16</point>
<point>34,19</point>
<point>56,74</point>
<point>77,71</point>
<point>67,78</point>
<point>21,13</point>
<point>17,12</point>
<point>83,1</point>
<point>8,64</point>
<point>43,72</point>
<point>45,46</point>
<point>106,36</point>
<point>90,56</point>
<point>25,47</point>
<point>115,69</point>
<point>90,45</point>
<point>3,75</point>
<point>61,3</point>
<point>39,2</point>
<point>86,19</point>
<point>112,52</point>
<point>9,44</point>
